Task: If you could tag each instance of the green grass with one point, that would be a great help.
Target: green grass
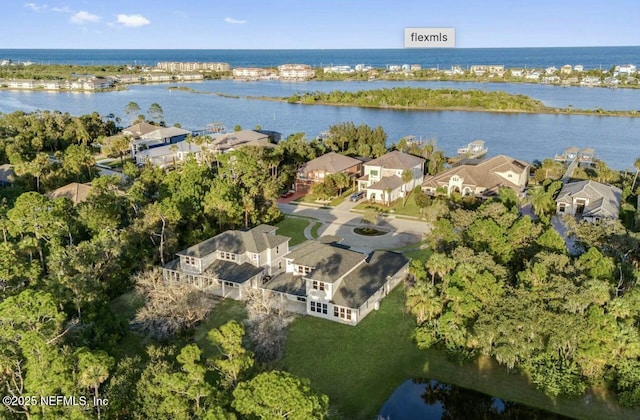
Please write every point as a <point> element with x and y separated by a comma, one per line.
<point>293,227</point>
<point>315,228</point>
<point>418,254</point>
<point>312,198</point>
<point>359,367</point>
<point>408,209</point>
<point>225,311</point>
<point>124,307</point>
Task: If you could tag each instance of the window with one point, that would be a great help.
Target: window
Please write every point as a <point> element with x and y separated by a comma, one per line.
<point>190,260</point>
<point>373,172</point>
<point>277,249</point>
<point>303,270</point>
<point>227,256</point>
<point>319,307</point>
<point>301,299</point>
<point>230,284</point>
<point>318,285</point>
<point>342,313</point>
<point>279,265</point>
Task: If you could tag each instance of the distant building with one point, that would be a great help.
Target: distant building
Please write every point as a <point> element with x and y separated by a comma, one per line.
<point>176,66</point>
<point>625,69</point>
<point>578,68</point>
<point>480,70</point>
<point>75,192</point>
<point>187,76</point>
<point>296,71</point>
<point>158,77</point>
<point>566,69</point>
<point>250,73</point>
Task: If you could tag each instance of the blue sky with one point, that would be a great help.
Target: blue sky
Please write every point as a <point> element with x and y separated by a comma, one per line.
<point>280,24</point>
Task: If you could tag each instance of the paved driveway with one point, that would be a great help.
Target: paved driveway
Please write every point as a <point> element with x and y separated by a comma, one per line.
<point>341,222</point>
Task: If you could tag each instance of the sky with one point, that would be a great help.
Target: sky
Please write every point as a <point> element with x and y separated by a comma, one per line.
<point>313,24</point>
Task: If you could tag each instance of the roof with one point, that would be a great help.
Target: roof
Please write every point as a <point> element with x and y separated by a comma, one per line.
<point>485,174</point>
<point>165,132</point>
<point>387,183</point>
<point>254,240</point>
<point>604,200</point>
<point>240,138</point>
<point>169,149</point>
<point>75,192</point>
<point>331,162</point>
<point>359,285</point>
<point>7,174</point>
<point>287,283</point>
<point>139,129</point>
<point>396,160</point>
<point>330,262</point>
<point>230,271</point>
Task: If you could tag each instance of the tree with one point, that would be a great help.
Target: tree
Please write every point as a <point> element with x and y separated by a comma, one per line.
<point>237,128</point>
<point>407,175</point>
<point>234,359</point>
<point>93,370</point>
<point>267,321</point>
<point>542,202</point>
<point>371,215</point>
<point>156,113</point>
<point>278,394</point>
<point>422,199</point>
<point>131,110</point>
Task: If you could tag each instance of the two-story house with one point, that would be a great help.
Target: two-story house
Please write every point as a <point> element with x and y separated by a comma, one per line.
<point>480,180</point>
<point>330,163</point>
<point>383,177</point>
<point>231,262</point>
<point>317,278</point>
<point>159,137</point>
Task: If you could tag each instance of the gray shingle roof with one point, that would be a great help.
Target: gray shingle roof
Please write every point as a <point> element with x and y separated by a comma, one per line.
<point>287,283</point>
<point>330,262</point>
<point>230,271</point>
<point>359,285</point>
<point>604,200</point>
<point>165,132</point>
<point>396,160</point>
<point>255,240</point>
<point>139,129</point>
<point>387,183</point>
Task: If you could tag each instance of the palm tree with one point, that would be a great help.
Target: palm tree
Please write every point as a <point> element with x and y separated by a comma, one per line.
<point>423,302</point>
<point>541,201</point>
<point>407,175</point>
<point>439,264</point>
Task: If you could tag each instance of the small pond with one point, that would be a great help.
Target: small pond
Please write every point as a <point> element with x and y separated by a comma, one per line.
<point>428,399</point>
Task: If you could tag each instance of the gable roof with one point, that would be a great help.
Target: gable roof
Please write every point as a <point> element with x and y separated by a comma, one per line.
<point>396,160</point>
<point>165,132</point>
<point>359,285</point>
<point>604,200</point>
<point>140,129</point>
<point>330,262</point>
<point>484,174</point>
<point>76,192</point>
<point>230,271</point>
<point>240,138</point>
<point>331,162</point>
<point>254,240</point>
<point>387,183</point>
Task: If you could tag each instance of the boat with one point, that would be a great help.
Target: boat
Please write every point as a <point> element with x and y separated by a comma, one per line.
<point>474,150</point>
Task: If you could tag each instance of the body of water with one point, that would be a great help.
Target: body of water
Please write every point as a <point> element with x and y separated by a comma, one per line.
<point>589,57</point>
<point>524,136</point>
<point>431,400</point>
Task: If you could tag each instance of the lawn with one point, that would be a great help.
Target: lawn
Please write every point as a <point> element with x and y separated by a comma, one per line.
<point>225,311</point>
<point>312,199</point>
<point>124,307</point>
<point>408,209</point>
<point>293,227</point>
<point>359,367</point>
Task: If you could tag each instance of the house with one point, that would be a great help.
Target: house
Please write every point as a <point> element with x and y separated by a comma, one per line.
<point>158,137</point>
<point>21,84</point>
<point>517,72</point>
<point>566,69</point>
<point>550,70</point>
<point>317,278</point>
<point>129,78</point>
<point>7,175</point>
<point>591,200</point>
<point>578,68</point>
<point>137,130</point>
<point>227,142</point>
<point>317,169</point>
<point>481,180</point>
<point>252,73</point>
<point>382,177</point>
<point>190,76</point>
<point>480,70</point>
<point>168,155</point>
<point>232,262</point>
<point>626,69</point>
<point>75,192</point>
<point>158,77</point>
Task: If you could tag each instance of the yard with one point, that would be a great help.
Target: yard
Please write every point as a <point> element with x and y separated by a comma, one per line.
<point>398,207</point>
<point>293,227</point>
<point>312,199</point>
<point>359,367</point>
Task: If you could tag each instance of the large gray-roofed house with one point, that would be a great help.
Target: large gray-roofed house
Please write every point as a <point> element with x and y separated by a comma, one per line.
<point>230,141</point>
<point>591,200</point>
<point>166,133</point>
<point>256,240</point>
<point>139,129</point>
<point>382,179</point>
<point>328,164</point>
<point>362,283</point>
<point>169,154</point>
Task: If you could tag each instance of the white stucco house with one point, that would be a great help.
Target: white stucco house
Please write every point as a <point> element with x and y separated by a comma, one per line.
<point>382,177</point>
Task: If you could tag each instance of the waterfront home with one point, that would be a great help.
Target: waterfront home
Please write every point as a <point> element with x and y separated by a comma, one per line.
<point>129,78</point>
<point>590,81</point>
<point>316,170</point>
<point>227,142</point>
<point>176,66</point>
<point>338,69</point>
<point>382,177</point>
<point>578,68</point>
<point>550,70</point>
<point>550,79</point>
<point>20,84</point>
<point>317,278</point>
<point>135,131</point>
<point>480,70</point>
<point>190,76</point>
<point>74,191</point>
<point>517,72</point>
<point>7,175</point>
<point>566,69</point>
<point>158,77</point>
<point>590,200</point>
<point>159,137</point>
<point>532,75</point>
<point>296,71</point>
<point>625,69</point>
<point>250,73</point>
<point>168,155</point>
<point>481,180</point>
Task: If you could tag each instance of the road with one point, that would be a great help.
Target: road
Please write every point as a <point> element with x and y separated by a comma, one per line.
<point>339,221</point>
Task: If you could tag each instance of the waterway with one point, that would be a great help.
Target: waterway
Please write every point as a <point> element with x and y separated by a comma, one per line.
<point>524,136</point>
<point>431,400</point>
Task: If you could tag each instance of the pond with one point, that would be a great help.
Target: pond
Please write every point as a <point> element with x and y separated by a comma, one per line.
<point>429,399</point>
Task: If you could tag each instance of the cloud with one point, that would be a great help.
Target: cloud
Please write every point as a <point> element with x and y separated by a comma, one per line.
<point>133,21</point>
<point>35,7</point>
<point>63,9</point>
<point>83,18</point>
<point>233,21</point>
